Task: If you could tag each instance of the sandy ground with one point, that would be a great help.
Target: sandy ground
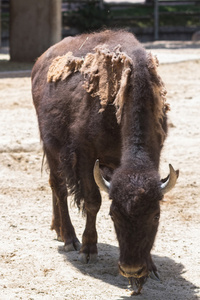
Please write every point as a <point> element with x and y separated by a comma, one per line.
<point>32,263</point>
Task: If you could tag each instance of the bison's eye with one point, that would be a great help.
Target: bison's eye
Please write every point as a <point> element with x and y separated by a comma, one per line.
<point>156,217</point>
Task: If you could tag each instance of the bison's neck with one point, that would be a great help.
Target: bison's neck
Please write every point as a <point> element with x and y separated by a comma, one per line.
<point>139,138</point>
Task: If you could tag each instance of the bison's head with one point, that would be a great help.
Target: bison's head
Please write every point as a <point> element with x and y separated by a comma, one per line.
<point>135,211</point>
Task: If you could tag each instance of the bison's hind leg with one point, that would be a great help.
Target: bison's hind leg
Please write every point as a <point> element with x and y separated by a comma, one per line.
<point>92,203</point>
<point>55,225</point>
<point>61,221</point>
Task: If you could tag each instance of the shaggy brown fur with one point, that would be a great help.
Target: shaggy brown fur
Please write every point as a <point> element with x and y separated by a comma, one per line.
<point>63,66</point>
<point>106,75</point>
<point>160,92</point>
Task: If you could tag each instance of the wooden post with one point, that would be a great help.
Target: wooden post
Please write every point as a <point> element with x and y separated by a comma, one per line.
<point>156,20</point>
<point>35,25</point>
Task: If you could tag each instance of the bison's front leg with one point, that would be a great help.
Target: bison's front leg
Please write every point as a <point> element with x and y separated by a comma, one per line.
<point>153,272</point>
<point>88,252</point>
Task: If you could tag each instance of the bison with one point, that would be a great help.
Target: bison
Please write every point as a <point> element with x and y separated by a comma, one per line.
<point>102,117</point>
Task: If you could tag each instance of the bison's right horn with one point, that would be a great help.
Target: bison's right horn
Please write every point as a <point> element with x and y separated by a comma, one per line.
<point>170,181</point>
<point>102,183</point>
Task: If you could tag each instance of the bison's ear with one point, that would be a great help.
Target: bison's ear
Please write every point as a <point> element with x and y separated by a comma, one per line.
<point>101,182</point>
<point>169,182</point>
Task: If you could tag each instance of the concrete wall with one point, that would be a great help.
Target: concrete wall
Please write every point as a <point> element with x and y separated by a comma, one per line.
<point>35,25</point>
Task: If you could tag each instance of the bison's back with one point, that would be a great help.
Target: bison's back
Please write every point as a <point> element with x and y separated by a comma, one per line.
<point>68,116</point>
<point>80,46</point>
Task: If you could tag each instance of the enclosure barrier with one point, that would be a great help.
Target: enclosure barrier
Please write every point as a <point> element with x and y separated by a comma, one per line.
<point>155,16</point>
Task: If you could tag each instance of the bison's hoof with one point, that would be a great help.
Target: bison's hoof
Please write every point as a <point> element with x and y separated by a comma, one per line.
<point>75,246</point>
<point>154,275</point>
<point>59,238</point>
<point>88,258</point>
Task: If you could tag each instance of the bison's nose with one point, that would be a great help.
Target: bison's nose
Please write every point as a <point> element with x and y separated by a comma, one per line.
<point>133,271</point>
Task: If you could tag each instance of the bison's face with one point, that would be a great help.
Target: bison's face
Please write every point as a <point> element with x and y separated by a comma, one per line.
<point>135,213</point>
<point>136,229</point>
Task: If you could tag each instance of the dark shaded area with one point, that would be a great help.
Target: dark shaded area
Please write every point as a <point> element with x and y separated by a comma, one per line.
<point>106,270</point>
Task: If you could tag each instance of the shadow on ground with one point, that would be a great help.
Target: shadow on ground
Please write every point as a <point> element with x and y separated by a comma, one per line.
<point>172,282</point>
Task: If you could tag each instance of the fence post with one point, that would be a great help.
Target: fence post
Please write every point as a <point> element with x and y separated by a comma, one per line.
<point>156,20</point>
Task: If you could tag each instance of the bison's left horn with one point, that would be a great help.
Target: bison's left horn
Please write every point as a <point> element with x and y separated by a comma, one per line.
<point>170,181</point>
<point>103,184</point>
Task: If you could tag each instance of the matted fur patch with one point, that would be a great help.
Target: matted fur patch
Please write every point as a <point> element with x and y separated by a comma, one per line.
<point>63,66</point>
<point>105,74</point>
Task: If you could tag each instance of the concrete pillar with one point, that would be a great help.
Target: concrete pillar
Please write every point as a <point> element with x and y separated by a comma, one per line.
<point>35,25</point>
<point>0,23</point>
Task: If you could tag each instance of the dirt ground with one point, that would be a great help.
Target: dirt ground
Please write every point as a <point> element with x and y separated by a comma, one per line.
<point>32,263</point>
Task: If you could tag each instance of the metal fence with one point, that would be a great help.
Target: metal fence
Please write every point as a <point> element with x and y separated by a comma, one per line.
<point>160,3</point>
<point>152,17</point>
